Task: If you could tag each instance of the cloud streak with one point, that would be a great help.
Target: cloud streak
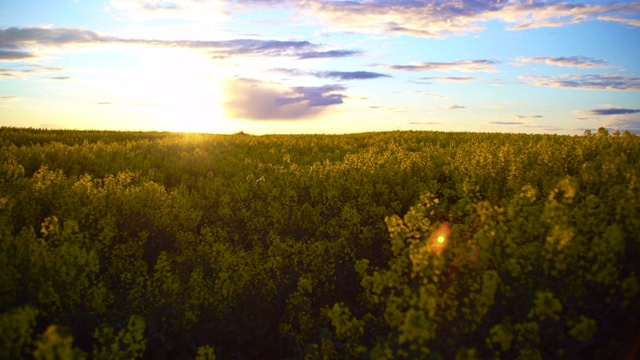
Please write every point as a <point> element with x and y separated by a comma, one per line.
<point>23,73</point>
<point>627,21</point>
<point>256,100</point>
<point>18,44</point>
<point>8,54</point>
<point>506,123</point>
<point>586,82</point>
<point>339,75</point>
<point>520,117</point>
<point>452,107</point>
<point>612,111</point>
<point>458,65</point>
<point>328,54</point>
<point>583,62</point>
<point>453,79</point>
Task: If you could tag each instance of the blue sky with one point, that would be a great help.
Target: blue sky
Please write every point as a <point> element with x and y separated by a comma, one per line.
<point>308,66</point>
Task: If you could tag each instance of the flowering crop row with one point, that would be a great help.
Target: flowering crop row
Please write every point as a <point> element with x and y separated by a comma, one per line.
<point>375,245</point>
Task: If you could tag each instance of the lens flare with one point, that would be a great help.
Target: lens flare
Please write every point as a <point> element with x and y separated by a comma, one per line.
<point>439,239</point>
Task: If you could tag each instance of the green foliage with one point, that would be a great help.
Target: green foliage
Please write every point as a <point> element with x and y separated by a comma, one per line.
<point>583,329</point>
<point>206,353</point>
<point>17,327</point>
<point>57,343</point>
<point>128,343</point>
<point>377,245</point>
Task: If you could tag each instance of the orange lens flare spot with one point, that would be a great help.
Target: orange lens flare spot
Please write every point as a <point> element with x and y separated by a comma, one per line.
<point>439,239</point>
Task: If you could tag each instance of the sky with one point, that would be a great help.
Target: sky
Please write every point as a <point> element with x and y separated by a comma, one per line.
<point>321,66</point>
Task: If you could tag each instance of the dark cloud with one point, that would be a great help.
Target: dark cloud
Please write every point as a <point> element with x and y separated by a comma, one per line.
<point>255,100</point>
<point>458,65</point>
<point>60,78</point>
<point>13,55</point>
<point>583,62</point>
<point>612,111</point>
<point>340,75</point>
<point>506,123</point>
<point>586,82</point>
<point>9,98</point>
<point>15,43</point>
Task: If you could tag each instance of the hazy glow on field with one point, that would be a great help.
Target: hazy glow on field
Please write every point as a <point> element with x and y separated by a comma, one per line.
<point>320,66</point>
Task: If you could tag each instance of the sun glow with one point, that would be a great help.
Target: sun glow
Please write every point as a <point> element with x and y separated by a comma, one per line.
<point>179,89</point>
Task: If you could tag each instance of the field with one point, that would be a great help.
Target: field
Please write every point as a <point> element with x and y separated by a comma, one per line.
<point>390,245</point>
